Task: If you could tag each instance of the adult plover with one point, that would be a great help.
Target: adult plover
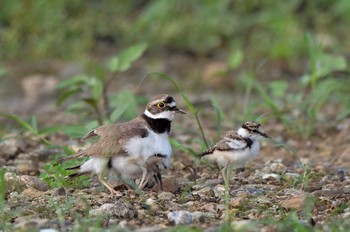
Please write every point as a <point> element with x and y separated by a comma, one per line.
<point>236,148</point>
<point>136,143</point>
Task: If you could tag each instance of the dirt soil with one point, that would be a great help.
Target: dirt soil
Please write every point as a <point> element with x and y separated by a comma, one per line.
<point>272,185</point>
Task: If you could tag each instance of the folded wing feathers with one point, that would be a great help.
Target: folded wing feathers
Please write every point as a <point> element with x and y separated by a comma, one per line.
<point>72,157</point>
<point>89,135</point>
<point>207,152</point>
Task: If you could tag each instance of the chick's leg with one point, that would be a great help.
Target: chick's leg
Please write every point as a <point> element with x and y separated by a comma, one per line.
<point>143,178</point>
<point>147,179</point>
<point>101,179</point>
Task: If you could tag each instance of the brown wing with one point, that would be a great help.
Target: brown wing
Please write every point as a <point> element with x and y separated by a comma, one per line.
<point>221,145</point>
<point>112,139</point>
<point>231,134</point>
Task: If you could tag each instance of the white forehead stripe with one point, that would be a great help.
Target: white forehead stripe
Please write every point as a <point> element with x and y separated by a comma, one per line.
<point>155,102</point>
<point>172,104</point>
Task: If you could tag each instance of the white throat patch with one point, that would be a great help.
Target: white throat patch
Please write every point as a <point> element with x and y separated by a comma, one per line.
<point>243,132</point>
<point>170,115</point>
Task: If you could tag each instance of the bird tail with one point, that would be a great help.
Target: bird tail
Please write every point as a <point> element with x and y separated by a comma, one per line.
<point>207,152</point>
<point>76,174</point>
<point>72,157</point>
<point>73,168</point>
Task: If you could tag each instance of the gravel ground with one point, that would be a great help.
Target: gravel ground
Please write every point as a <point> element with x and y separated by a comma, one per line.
<point>271,186</point>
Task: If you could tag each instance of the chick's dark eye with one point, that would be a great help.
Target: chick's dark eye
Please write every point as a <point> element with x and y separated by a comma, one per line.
<point>161,105</point>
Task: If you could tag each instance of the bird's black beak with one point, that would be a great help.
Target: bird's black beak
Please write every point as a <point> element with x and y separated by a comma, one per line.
<point>177,110</point>
<point>264,135</point>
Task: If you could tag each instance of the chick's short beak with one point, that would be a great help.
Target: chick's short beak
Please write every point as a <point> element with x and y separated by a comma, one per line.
<point>177,110</point>
<point>265,135</point>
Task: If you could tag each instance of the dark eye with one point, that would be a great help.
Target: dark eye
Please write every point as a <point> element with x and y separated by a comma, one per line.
<point>160,155</point>
<point>161,105</point>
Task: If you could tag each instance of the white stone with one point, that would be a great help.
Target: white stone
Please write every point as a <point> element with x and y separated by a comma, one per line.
<point>180,217</point>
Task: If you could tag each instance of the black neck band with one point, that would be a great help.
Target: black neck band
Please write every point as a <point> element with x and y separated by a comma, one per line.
<point>159,125</point>
<point>249,142</point>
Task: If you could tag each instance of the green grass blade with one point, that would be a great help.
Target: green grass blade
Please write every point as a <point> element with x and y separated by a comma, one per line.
<point>2,187</point>
<point>219,115</point>
<point>267,99</point>
<point>34,124</point>
<point>183,148</point>
<point>20,121</point>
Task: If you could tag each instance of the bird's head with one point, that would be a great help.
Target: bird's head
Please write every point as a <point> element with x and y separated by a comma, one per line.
<point>252,130</point>
<point>162,107</point>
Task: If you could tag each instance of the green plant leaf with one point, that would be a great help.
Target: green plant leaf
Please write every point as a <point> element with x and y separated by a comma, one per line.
<point>113,64</point>
<point>91,102</point>
<point>278,88</point>
<point>118,112</point>
<point>97,89</point>
<point>91,125</point>
<point>100,73</point>
<point>328,63</point>
<point>125,97</point>
<point>235,59</point>
<point>76,107</point>
<point>129,55</point>
<point>67,94</point>
<point>3,71</point>
<point>75,131</point>
<point>49,130</point>
<point>73,81</point>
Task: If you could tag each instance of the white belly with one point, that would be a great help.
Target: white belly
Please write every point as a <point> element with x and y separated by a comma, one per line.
<point>237,158</point>
<point>150,145</point>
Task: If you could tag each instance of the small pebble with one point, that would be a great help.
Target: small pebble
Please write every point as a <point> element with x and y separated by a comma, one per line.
<point>61,191</point>
<point>180,217</point>
<point>204,192</point>
<point>48,230</point>
<point>219,191</point>
<point>165,196</point>
<point>271,176</point>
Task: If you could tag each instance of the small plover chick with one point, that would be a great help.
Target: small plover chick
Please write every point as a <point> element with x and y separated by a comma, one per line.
<point>235,149</point>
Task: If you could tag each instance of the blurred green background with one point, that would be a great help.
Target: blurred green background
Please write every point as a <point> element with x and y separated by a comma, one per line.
<point>73,29</point>
<point>285,59</point>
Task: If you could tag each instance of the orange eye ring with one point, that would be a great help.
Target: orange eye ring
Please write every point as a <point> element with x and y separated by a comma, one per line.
<point>161,105</point>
